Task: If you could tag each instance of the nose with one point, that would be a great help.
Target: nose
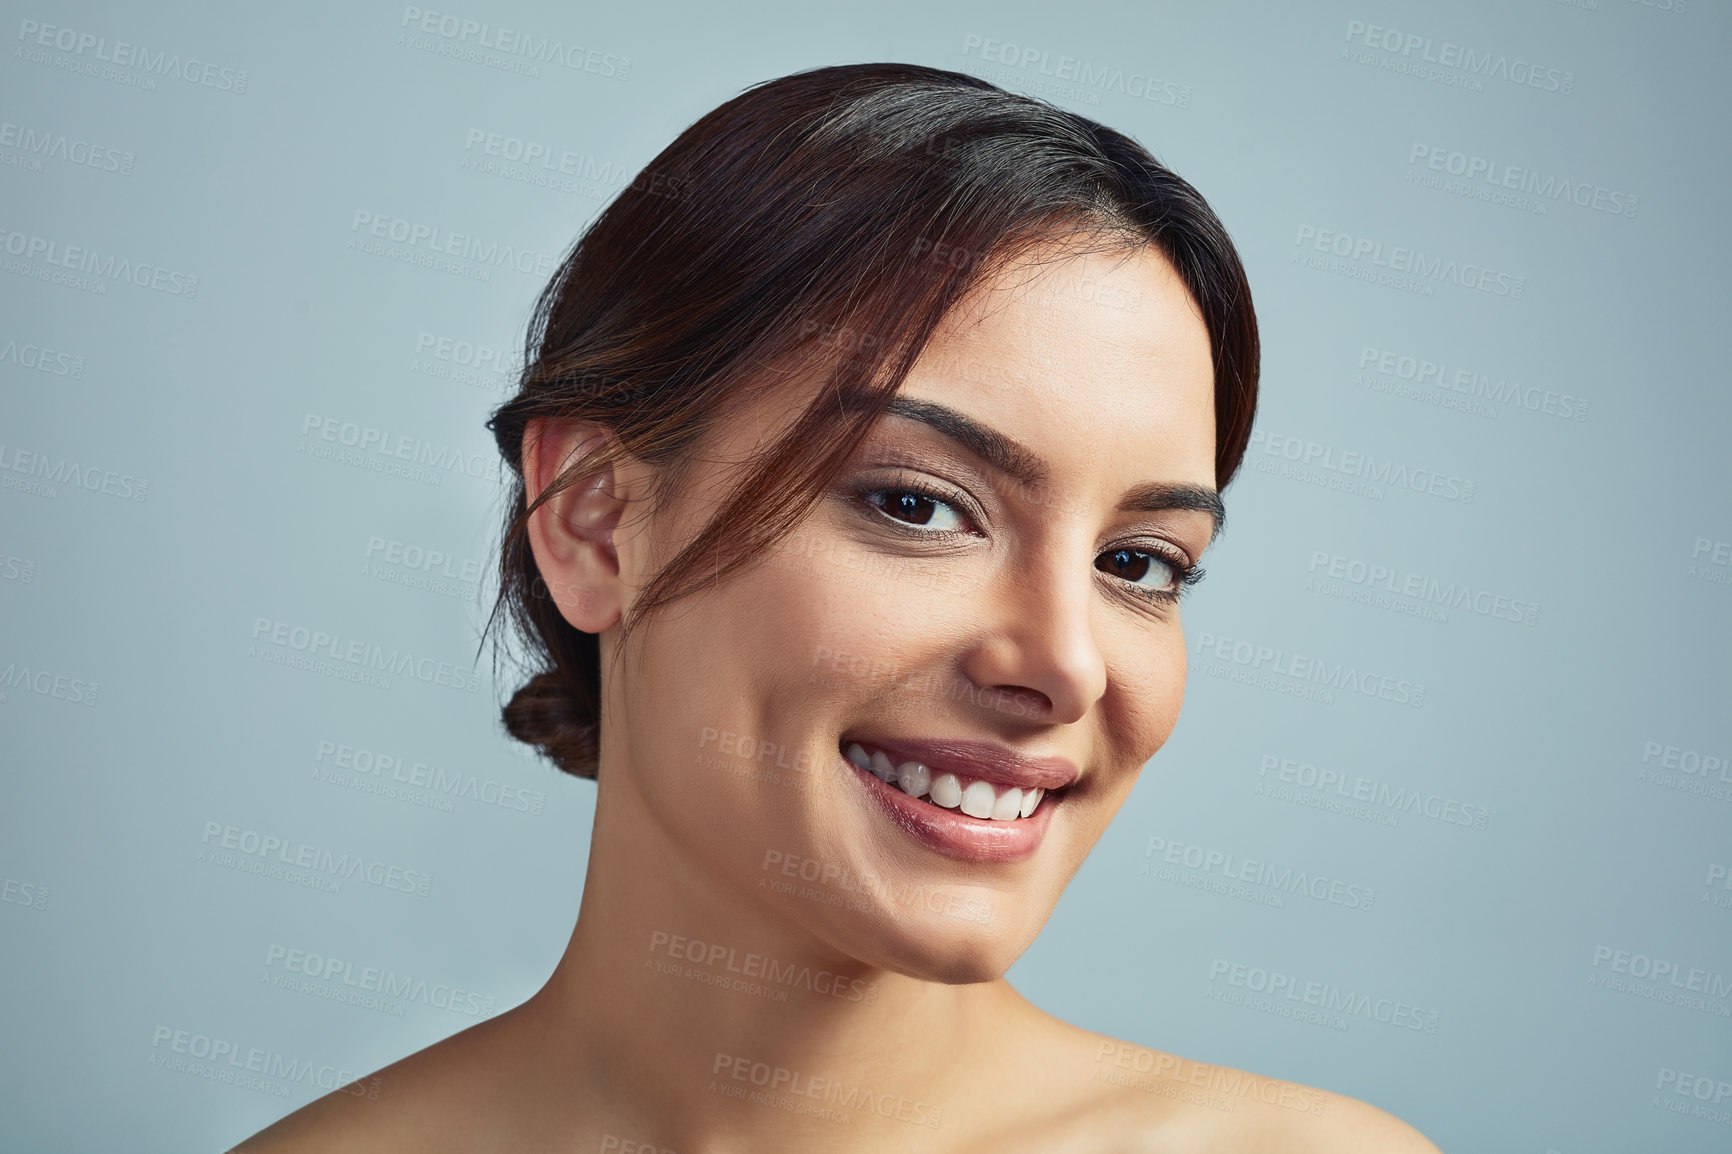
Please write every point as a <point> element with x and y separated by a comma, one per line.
<point>1037,636</point>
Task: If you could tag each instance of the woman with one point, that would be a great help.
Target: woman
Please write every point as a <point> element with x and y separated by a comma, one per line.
<point>867,443</point>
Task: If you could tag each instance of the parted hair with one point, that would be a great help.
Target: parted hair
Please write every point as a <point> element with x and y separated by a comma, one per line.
<point>824,221</point>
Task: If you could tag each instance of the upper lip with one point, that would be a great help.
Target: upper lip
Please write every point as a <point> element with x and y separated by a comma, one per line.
<point>985,760</point>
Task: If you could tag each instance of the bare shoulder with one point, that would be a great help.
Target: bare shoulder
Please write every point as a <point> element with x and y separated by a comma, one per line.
<point>1345,1126</point>
<point>420,1102</point>
<point>355,1119</point>
<point>1165,1102</point>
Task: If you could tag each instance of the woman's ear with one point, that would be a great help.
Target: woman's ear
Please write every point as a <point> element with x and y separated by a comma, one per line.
<point>572,535</point>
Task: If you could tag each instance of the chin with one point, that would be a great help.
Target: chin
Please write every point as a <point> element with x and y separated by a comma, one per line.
<point>936,948</point>
<point>963,968</point>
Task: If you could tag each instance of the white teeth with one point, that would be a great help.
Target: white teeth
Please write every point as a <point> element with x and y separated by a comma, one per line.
<point>914,778</point>
<point>881,767</point>
<point>981,799</point>
<point>977,799</point>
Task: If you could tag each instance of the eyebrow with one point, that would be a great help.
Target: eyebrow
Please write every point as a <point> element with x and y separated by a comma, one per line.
<point>1023,465</point>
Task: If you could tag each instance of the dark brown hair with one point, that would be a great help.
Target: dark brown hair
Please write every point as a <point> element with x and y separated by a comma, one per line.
<point>830,218</point>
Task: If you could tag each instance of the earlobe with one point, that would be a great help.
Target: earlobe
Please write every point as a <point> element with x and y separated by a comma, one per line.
<point>572,533</point>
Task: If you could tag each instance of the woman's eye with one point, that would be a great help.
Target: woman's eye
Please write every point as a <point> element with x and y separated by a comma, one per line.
<point>1135,564</point>
<point>916,508</point>
<point>1159,577</point>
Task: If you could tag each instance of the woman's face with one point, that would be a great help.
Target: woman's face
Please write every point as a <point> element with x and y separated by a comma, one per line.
<point>933,599</point>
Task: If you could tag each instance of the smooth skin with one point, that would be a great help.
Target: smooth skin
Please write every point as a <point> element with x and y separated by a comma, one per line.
<point>988,615</point>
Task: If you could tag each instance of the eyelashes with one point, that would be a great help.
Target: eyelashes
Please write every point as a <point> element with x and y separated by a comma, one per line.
<point>1184,576</point>
<point>907,497</point>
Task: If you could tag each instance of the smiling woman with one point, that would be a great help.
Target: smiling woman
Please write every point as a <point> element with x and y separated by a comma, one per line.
<point>861,476</point>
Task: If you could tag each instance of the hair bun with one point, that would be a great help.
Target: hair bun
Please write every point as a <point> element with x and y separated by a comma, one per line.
<point>549,713</point>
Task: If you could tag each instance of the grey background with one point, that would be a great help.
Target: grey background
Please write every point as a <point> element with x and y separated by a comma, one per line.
<point>114,928</point>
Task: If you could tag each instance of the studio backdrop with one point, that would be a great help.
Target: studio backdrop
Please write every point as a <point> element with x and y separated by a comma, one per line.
<point>1446,823</point>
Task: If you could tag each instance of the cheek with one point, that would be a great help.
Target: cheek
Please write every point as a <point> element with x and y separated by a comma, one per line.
<point>853,624</point>
<point>1150,675</point>
<point>738,690</point>
<point>1170,664</point>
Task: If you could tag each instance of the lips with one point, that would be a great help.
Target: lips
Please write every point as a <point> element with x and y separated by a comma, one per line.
<point>975,797</point>
<point>982,760</point>
<point>973,801</point>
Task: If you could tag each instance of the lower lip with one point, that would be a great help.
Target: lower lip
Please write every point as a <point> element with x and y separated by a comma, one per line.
<point>952,832</point>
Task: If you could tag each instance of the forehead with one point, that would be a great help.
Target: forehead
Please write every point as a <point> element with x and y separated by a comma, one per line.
<point>1099,360</point>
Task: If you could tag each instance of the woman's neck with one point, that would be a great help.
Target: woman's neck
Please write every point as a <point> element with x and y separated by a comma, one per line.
<point>693,1011</point>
